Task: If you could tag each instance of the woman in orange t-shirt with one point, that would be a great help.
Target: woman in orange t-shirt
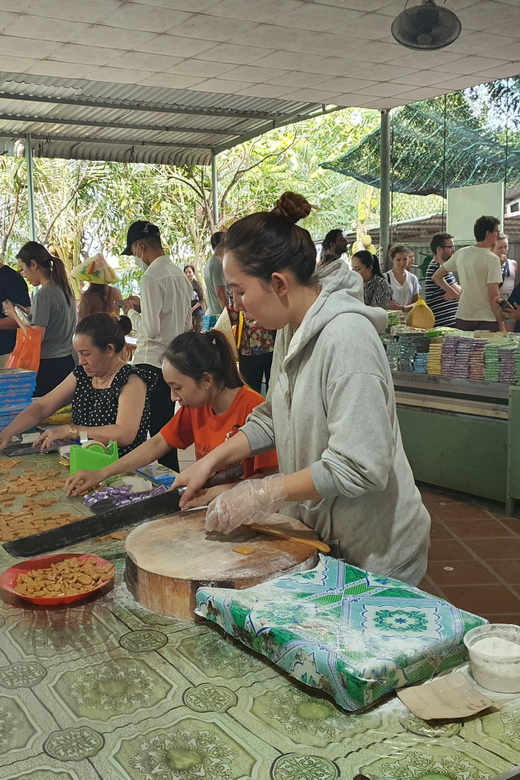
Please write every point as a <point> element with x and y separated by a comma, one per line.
<point>214,403</point>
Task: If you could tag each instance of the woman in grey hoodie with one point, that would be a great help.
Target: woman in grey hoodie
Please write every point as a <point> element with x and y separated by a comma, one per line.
<point>330,411</point>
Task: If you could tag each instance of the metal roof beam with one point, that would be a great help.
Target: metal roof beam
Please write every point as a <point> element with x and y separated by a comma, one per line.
<point>274,123</point>
<point>118,125</point>
<point>89,140</point>
<point>132,105</point>
<point>241,139</point>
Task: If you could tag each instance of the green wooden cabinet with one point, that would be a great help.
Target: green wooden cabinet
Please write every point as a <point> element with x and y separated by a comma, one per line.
<point>458,451</point>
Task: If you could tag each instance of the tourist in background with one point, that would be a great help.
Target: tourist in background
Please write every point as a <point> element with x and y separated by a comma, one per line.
<point>509,276</point>
<point>53,311</point>
<point>13,288</point>
<point>165,305</point>
<point>216,295</point>
<point>255,346</point>
<point>376,291</point>
<point>99,297</point>
<point>197,299</point>
<point>479,274</point>
<point>405,285</point>
<point>443,304</point>
<point>508,267</point>
<point>334,245</point>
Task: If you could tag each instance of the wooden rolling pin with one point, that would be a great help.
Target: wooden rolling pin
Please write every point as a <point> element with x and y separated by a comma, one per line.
<point>316,543</point>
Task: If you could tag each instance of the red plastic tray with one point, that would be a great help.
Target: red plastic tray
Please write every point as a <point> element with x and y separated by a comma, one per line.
<point>9,578</point>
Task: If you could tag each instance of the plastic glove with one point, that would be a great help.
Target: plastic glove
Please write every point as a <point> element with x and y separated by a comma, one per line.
<point>248,502</point>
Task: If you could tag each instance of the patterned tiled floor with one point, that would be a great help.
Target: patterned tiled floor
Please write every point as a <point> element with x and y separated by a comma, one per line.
<point>109,690</point>
<point>474,555</point>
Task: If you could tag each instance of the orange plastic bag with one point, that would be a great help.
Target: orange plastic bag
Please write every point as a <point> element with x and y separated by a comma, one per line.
<point>26,352</point>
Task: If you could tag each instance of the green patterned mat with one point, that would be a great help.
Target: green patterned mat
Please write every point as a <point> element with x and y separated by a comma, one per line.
<point>355,635</point>
<point>109,690</point>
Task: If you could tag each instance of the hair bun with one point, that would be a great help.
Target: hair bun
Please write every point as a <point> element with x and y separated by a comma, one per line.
<point>125,323</point>
<point>293,206</point>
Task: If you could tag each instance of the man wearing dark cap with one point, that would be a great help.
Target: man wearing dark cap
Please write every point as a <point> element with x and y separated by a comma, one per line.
<point>165,313</point>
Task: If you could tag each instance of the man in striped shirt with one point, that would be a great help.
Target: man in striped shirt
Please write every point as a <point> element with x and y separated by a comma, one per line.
<point>443,305</point>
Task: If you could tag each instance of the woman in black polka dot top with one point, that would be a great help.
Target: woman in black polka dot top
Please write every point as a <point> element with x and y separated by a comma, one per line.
<point>109,397</point>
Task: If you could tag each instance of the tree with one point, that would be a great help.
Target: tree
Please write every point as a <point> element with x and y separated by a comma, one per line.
<point>83,207</point>
<point>13,182</point>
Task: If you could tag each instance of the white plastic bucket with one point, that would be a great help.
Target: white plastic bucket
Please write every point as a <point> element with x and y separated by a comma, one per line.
<point>491,671</point>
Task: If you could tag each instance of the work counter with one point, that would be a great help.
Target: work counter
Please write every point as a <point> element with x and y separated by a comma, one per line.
<point>106,689</point>
<point>461,434</point>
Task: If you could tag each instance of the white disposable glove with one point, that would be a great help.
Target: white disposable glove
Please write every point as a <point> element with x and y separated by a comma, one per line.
<point>248,502</point>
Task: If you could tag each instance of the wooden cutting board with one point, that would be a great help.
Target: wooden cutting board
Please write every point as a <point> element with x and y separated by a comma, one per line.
<point>169,558</point>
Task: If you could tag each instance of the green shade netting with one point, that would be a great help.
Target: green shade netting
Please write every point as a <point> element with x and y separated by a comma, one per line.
<point>433,149</point>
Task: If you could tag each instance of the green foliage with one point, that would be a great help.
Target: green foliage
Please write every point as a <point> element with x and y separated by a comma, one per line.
<point>84,207</point>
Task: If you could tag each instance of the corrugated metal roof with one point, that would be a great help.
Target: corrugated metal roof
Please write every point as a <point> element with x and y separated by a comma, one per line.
<point>421,229</point>
<point>92,120</point>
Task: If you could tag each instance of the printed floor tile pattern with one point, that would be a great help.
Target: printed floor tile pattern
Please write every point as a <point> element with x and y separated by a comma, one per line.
<point>109,690</point>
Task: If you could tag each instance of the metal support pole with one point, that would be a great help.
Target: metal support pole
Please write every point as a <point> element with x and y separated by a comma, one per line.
<point>30,186</point>
<point>214,188</point>
<point>384,217</point>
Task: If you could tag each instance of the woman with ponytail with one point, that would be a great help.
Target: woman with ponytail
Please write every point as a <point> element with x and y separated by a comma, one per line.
<point>109,397</point>
<point>53,310</point>
<point>376,292</point>
<point>330,410</point>
<point>214,403</point>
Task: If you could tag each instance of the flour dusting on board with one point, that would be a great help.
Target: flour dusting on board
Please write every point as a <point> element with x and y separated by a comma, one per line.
<point>169,558</point>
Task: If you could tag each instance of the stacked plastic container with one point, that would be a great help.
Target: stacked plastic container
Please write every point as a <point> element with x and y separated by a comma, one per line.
<point>16,390</point>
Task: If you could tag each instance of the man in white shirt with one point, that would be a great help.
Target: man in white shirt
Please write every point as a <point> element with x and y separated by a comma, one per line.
<point>479,274</point>
<point>165,305</point>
